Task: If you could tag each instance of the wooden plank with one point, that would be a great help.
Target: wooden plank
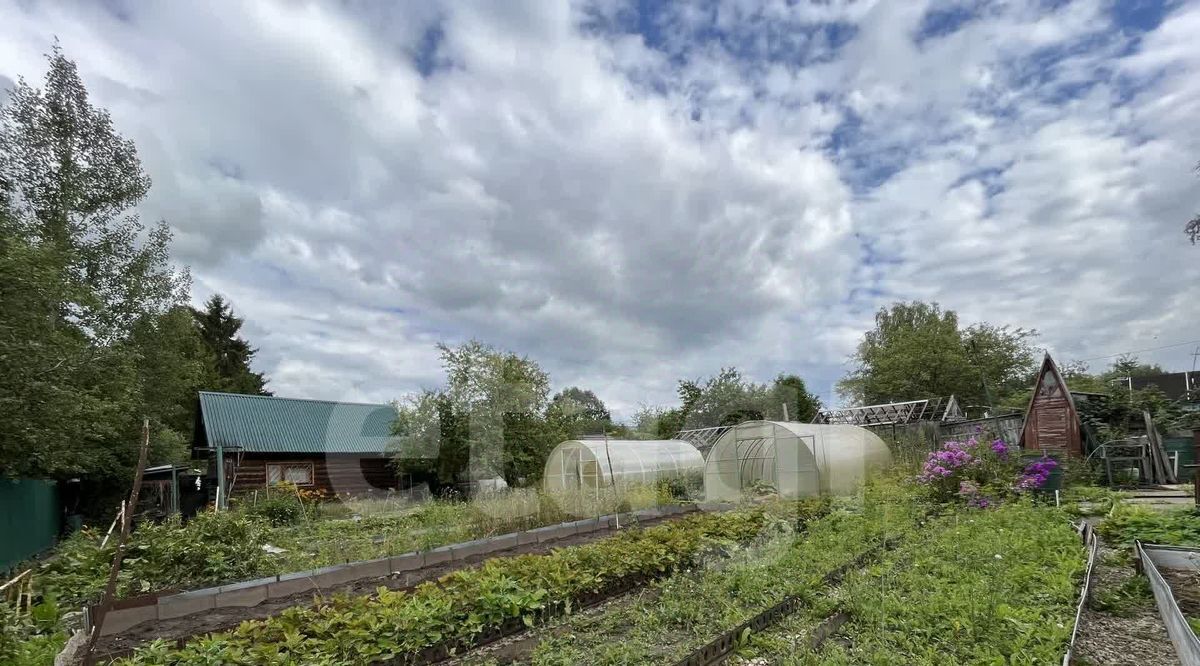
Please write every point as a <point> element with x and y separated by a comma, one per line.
<point>1156,444</point>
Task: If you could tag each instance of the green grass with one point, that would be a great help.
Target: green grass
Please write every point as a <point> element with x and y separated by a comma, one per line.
<point>1125,599</point>
<point>981,587</point>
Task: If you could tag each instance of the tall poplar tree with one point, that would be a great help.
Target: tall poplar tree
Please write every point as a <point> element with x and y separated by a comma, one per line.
<point>78,270</point>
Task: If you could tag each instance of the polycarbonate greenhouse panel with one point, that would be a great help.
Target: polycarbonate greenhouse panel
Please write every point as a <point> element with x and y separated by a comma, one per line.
<point>794,459</point>
<point>592,463</point>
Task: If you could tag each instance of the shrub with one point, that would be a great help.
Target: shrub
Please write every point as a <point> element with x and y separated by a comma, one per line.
<point>15,627</point>
<point>980,473</point>
<point>213,547</point>
<point>284,503</point>
<point>277,509</point>
<point>968,471</point>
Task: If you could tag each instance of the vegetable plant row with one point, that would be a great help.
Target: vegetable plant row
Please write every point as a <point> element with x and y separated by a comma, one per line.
<point>460,607</point>
<point>216,548</point>
<point>997,586</point>
<point>682,613</point>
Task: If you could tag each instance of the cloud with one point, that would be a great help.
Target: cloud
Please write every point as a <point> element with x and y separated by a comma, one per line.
<point>632,195</point>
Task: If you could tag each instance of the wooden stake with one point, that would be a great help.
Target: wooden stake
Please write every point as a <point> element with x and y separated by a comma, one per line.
<point>116,519</point>
<point>15,580</point>
<point>126,522</point>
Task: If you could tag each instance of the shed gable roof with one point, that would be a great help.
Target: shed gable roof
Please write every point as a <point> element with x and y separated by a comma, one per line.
<point>1049,384</point>
<point>266,424</point>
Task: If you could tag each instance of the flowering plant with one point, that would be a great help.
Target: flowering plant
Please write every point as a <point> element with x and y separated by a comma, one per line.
<point>968,471</point>
<point>978,473</point>
<point>1036,474</point>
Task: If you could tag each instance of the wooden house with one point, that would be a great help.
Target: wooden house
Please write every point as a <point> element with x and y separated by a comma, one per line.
<point>1051,420</point>
<point>338,447</point>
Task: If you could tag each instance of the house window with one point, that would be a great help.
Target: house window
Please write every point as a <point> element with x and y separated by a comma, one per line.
<point>300,474</point>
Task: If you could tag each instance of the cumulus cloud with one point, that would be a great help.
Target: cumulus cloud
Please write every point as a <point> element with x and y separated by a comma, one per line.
<point>635,195</point>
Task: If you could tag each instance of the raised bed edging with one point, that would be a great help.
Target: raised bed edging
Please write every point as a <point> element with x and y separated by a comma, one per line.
<point>1187,646</point>
<point>1088,534</point>
<point>125,614</point>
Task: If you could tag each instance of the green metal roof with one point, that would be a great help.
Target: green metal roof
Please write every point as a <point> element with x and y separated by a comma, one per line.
<point>265,424</point>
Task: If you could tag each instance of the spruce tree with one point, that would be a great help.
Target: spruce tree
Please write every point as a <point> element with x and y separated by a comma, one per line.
<point>231,355</point>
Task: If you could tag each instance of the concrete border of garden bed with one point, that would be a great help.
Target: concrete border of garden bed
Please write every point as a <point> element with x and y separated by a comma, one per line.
<point>128,613</point>
<point>1150,557</point>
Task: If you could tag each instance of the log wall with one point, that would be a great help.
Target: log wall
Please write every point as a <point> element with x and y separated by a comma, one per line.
<point>333,473</point>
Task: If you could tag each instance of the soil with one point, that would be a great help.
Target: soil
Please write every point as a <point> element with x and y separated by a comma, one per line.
<point>1185,585</point>
<point>1137,637</point>
<point>519,649</point>
<point>182,628</point>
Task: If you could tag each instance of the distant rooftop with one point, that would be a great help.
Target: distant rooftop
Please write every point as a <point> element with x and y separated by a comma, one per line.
<point>1176,385</point>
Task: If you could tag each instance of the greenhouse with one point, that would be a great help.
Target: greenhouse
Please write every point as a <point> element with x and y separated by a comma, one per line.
<point>793,459</point>
<point>594,463</point>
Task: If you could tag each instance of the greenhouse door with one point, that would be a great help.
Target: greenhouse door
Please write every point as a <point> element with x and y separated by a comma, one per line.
<point>569,469</point>
<point>755,456</point>
<point>589,474</point>
<point>799,475</point>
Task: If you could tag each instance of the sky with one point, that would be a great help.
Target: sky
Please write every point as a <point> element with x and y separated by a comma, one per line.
<point>635,192</point>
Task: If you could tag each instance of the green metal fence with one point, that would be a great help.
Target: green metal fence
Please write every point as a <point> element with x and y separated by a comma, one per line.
<point>29,519</point>
<point>1184,447</point>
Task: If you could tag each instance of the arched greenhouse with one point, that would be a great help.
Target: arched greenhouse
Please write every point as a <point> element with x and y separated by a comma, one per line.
<point>594,463</point>
<point>795,459</point>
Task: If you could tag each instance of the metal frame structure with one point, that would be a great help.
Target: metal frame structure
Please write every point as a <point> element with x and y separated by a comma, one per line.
<point>702,438</point>
<point>895,413</point>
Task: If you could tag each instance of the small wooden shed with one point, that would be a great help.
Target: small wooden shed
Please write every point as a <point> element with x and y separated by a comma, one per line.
<point>1051,421</point>
<point>338,447</point>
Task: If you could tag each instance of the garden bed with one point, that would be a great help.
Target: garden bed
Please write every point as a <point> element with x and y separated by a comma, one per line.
<point>1173,573</point>
<point>218,619</point>
<point>991,586</point>
<point>223,548</point>
<point>406,627</point>
<point>674,617</point>
<point>1120,625</point>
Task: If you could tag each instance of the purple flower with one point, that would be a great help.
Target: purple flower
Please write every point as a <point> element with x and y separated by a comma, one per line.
<point>1036,474</point>
<point>979,502</point>
<point>1000,448</point>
